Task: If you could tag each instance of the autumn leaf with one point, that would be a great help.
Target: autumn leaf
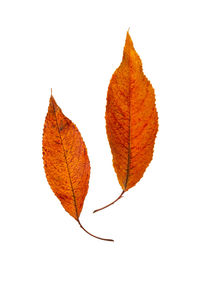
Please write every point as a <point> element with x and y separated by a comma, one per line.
<point>131,119</point>
<point>66,161</point>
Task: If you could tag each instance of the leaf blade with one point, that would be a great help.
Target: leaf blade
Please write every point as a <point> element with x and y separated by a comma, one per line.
<point>66,162</point>
<point>131,118</point>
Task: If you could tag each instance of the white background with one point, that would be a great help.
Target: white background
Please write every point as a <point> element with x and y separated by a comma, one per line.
<point>74,47</point>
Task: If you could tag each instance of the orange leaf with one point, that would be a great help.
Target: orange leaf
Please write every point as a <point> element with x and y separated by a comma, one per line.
<point>131,119</point>
<point>66,161</point>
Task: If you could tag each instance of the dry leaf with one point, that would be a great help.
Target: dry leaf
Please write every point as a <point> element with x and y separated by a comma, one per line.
<point>131,119</point>
<point>66,161</point>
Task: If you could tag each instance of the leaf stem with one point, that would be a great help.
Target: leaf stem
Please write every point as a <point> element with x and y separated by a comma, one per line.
<point>97,237</point>
<point>120,196</point>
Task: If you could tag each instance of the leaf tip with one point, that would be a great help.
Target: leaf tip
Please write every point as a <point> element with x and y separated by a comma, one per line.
<point>128,39</point>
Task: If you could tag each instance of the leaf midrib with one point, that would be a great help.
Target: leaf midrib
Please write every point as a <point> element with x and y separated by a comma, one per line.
<point>129,132</point>
<point>68,171</point>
